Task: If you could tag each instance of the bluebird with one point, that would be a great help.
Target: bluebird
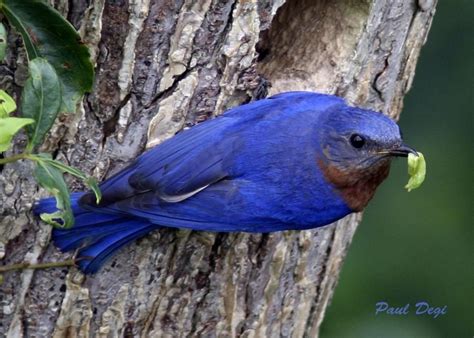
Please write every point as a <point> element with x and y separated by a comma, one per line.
<point>294,161</point>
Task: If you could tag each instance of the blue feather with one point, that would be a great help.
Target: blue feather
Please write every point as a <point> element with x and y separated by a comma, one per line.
<point>93,256</point>
<point>95,235</point>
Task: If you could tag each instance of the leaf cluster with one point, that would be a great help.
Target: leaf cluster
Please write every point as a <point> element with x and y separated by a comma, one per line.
<point>60,73</point>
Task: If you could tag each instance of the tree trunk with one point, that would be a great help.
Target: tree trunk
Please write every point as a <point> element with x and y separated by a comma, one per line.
<point>163,65</point>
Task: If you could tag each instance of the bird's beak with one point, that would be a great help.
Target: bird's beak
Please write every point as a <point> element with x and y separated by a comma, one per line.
<point>402,151</point>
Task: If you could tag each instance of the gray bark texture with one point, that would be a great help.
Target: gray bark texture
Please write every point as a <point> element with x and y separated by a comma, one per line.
<point>162,65</point>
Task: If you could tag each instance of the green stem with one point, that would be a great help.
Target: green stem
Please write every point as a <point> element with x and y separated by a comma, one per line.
<point>26,265</point>
<point>29,147</point>
<point>15,158</point>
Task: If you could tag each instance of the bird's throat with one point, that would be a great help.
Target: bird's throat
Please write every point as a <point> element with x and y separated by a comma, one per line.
<point>356,187</point>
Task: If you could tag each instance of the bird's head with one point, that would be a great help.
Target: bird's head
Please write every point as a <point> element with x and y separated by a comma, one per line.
<point>357,146</point>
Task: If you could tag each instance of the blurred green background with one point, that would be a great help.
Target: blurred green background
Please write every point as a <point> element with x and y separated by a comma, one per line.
<point>417,246</point>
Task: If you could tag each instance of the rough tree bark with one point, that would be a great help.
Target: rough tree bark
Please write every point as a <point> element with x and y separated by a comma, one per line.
<point>163,65</point>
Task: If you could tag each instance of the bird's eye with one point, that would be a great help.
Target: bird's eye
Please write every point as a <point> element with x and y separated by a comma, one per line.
<point>357,141</point>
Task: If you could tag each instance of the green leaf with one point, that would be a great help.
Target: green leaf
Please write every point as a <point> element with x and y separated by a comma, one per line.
<point>47,34</point>
<point>416,171</point>
<point>3,42</point>
<point>90,182</point>
<point>9,126</point>
<point>61,166</point>
<point>52,180</point>
<point>40,100</point>
<point>7,104</point>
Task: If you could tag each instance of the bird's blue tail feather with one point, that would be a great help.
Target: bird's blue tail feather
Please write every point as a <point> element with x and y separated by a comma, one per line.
<point>96,235</point>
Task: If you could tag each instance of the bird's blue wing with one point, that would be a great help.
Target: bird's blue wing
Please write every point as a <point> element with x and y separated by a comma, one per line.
<point>177,168</point>
<point>194,158</point>
<point>189,169</point>
<point>210,209</point>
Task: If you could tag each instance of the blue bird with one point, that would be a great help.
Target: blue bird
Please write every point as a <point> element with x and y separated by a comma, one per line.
<point>296,160</point>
